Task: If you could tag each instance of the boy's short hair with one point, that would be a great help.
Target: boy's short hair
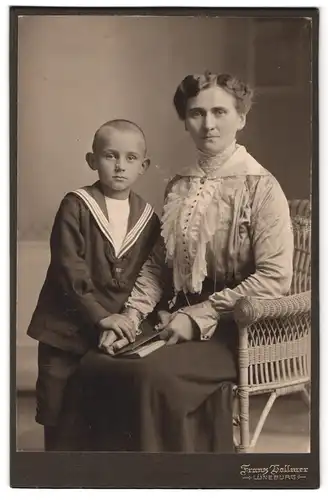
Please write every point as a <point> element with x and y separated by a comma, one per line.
<point>119,124</point>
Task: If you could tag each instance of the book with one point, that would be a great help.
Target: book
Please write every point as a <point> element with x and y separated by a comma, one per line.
<point>144,350</point>
<point>147,342</point>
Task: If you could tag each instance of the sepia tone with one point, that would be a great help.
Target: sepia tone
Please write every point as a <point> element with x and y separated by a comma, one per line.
<point>77,72</point>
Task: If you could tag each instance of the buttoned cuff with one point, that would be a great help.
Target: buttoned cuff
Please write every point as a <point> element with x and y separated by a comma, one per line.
<point>205,317</point>
<point>134,315</point>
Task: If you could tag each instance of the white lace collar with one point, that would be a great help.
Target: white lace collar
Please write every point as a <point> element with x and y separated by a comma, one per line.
<point>210,163</point>
<point>239,163</point>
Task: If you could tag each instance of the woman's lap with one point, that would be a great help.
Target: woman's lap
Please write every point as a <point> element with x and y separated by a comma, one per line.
<point>176,399</point>
<point>186,373</point>
<point>185,359</point>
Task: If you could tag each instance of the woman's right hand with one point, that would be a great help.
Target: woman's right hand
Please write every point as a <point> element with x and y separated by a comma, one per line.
<point>123,326</point>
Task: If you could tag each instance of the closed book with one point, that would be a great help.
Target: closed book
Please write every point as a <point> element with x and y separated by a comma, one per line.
<point>144,350</point>
<point>145,340</point>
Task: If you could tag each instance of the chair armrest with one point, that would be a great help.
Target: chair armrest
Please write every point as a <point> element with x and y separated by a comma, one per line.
<point>249,310</point>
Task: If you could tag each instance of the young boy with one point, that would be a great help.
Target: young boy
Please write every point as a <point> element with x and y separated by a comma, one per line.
<point>101,237</point>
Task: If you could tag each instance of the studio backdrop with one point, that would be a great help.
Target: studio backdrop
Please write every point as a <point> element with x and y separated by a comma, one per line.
<point>76,72</point>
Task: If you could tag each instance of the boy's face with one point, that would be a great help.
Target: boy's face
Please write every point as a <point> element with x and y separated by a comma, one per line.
<point>119,159</point>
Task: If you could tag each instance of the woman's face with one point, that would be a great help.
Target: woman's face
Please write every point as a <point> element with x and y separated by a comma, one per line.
<point>212,119</point>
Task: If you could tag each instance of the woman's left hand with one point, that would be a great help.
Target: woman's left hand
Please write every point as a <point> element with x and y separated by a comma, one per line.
<point>180,329</point>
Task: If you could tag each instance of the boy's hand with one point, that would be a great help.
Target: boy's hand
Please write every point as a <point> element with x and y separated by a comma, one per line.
<point>110,343</point>
<point>119,344</point>
<point>106,339</point>
<point>121,325</point>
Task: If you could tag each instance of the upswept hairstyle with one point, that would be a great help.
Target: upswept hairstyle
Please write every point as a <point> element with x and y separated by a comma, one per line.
<point>191,85</point>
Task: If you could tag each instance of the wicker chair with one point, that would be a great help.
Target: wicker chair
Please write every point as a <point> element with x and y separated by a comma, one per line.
<point>274,336</point>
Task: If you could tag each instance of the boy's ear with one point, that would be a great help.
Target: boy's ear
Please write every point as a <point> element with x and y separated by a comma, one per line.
<point>145,165</point>
<point>90,161</point>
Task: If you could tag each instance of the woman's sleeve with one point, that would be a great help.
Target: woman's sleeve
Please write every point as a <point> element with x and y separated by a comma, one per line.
<point>72,273</point>
<point>272,243</point>
<point>150,283</point>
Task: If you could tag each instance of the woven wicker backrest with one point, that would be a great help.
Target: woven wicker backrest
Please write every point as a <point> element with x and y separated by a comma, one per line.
<point>300,211</point>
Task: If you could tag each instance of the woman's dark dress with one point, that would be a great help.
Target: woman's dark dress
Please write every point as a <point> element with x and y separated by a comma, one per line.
<point>177,399</point>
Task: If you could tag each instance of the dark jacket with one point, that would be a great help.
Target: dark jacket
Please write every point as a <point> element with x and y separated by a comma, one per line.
<point>85,281</point>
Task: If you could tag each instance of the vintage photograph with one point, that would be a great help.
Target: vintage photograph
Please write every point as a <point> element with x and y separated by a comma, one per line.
<point>165,184</point>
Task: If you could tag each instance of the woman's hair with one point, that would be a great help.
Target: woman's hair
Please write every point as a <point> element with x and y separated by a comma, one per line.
<point>191,85</point>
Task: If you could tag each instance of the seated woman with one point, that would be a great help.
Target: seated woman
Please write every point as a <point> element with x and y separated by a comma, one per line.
<point>227,234</point>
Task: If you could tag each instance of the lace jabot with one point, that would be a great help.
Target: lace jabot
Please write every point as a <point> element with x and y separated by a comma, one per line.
<point>189,221</point>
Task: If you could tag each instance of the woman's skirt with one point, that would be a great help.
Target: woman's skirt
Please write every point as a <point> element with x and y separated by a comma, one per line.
<point>177,399</point>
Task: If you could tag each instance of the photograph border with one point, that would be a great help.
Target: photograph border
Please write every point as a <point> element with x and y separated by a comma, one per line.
<point>160,470</point>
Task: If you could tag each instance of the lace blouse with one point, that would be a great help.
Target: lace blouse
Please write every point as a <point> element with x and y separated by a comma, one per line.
<point>225,218</point>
